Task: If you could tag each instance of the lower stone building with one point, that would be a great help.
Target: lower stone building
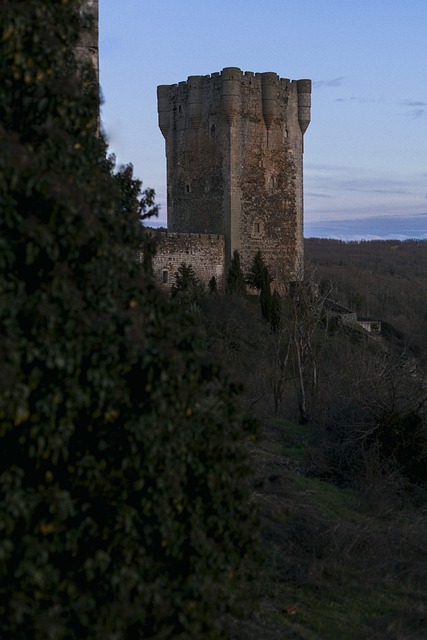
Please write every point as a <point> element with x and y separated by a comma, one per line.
<point>205,253</point>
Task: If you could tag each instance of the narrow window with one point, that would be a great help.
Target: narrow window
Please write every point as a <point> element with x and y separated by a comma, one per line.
<point>257,228</point>
<point>273,184</point>
<point>180,108</point>
<point>165,277</point>
<point>286,133</point>
<point>187,188</point>
<point>213,128</point>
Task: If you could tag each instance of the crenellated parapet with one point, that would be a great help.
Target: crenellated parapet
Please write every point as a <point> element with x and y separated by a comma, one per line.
<point>227,93</point>
<point>304,103</point>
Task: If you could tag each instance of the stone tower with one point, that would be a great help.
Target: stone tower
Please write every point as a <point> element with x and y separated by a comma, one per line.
<point>88,49</point>
<point>234,150</point>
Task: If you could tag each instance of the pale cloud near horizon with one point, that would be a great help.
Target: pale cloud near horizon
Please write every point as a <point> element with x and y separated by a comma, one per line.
<point>346,192</point>
<point>333,82</point>
<point>358,100</point>
<point>384,227</point>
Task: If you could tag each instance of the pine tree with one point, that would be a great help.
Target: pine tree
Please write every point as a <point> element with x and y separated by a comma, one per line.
<point>212,286</point>
<point>185,279</point>
<point>259,278</point>
<point>276,311</point>
<point>235,278</point>
<point>265,295</point>
<point>255,277</point>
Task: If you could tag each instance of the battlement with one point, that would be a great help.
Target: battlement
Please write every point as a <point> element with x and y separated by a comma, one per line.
<point>228,92</point>
<point>235,73</point>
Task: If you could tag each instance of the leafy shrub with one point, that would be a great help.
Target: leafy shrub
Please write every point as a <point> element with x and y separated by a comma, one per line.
<point>402,439</point>
<point>123,510</point>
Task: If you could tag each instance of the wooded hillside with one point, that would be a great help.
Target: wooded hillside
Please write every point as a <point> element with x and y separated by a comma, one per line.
<point>382,279</point>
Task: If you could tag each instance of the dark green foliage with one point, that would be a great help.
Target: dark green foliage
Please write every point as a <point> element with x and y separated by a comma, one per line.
<point>187,288</point>
<point>131,201</point>
<point>235,279</point>
<point>256,275</point>
<point>123,512</point>
<point>212,285</point>
<point>402,440</point>
<point>259,278</point>
<point>265,297</point>
<point>276,311</point>
<point>185,279</point>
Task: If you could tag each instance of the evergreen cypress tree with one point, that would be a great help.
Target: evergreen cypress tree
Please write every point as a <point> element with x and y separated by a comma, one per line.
<point>259,278</point>
<point>123,513</point>
<point>212,286</point>
<point>265,295</point>
<point>235,278</point>
<point>255,277</point>
<point>185,279</point>
<point>276,311</point>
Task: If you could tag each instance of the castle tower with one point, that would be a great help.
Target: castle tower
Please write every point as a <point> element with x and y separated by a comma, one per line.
<point>88,49</point>
<point>234,151</point>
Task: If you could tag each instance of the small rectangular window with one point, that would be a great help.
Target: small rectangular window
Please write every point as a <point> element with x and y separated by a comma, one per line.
<point>165,277</point>
<point>257,227</point>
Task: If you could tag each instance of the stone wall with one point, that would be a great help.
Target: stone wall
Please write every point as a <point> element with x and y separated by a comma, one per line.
<point>206,254</point>
<point>88,47</point>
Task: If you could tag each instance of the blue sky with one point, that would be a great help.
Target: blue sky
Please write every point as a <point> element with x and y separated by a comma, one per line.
<point>365,150</point>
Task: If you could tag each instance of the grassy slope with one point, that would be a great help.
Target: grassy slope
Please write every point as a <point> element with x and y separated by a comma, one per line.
<point>354,564</point>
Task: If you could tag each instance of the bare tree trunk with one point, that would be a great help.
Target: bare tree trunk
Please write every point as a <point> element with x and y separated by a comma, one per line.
<point>302,407</point>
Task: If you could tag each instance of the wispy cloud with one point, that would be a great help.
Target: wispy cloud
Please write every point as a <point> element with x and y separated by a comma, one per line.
<point>355,179</point>
<point>350,191</point>
<point>381,186</point>
<point>330,168</point>
<point>414,103</point>
<point>311,194</point>
<point>418,112</point>
<point>333,82</point>
<point>359,100</point>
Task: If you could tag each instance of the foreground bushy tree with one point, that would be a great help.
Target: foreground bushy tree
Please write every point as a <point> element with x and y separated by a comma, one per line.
<point>123,512</point>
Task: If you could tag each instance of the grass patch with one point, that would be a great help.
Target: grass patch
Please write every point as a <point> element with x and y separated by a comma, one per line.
<point>350,571</point>
<point>330,501</point>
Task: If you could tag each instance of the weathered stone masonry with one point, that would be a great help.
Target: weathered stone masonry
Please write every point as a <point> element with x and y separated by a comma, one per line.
<point>234,151</point>
<point>88,48</point>
<point>206,253</point>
